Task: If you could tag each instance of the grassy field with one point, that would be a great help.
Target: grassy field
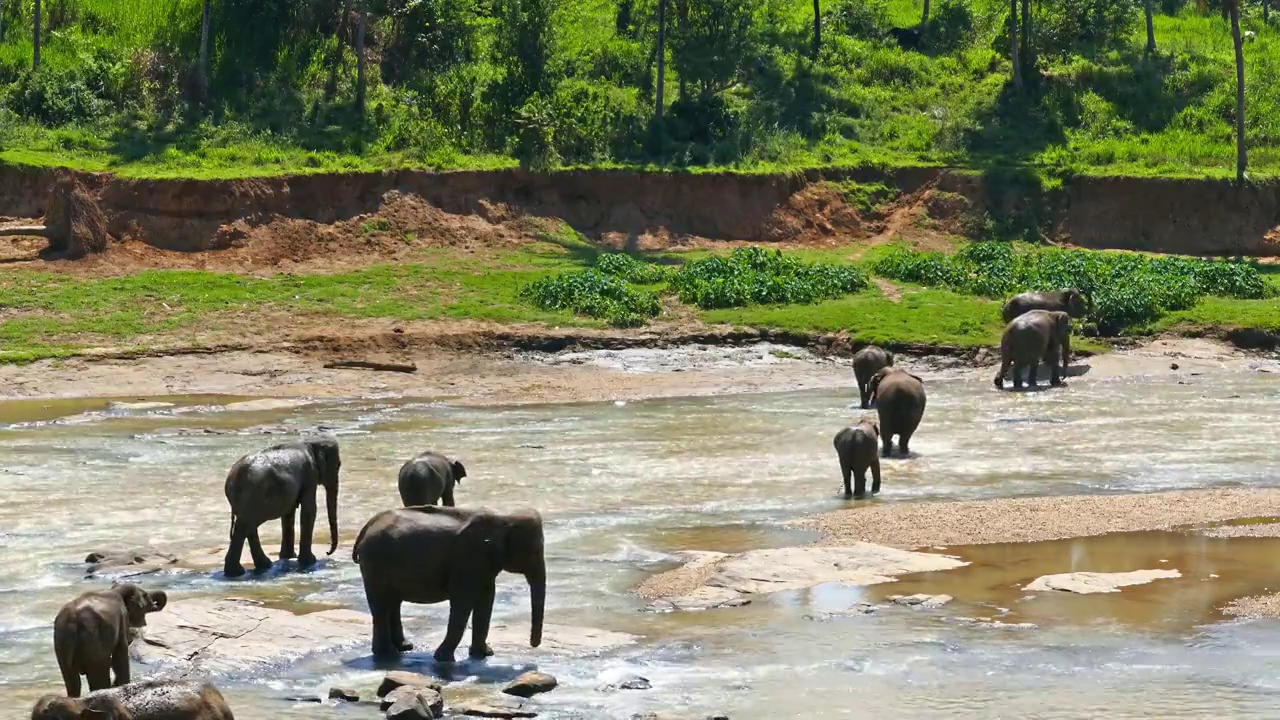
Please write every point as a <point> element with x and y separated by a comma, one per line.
<point>107,97</point>
<point>53,315</point>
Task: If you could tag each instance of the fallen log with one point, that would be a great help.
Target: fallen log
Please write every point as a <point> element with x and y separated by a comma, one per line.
<point>368,365</point>
<point>26,230</point>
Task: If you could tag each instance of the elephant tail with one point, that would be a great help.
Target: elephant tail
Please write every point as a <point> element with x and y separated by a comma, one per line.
<point>231,532</point>
<point>355,549</point>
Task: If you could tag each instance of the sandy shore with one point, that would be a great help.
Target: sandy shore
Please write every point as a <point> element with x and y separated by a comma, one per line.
<point>1257,606</point>
<point>1032,519</point>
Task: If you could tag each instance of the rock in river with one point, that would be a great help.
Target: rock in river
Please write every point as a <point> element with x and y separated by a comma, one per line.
<point>337,693</point>
<point>530,684</point>
<point>402,678</point>
<point>486,710</point>
<point>1086,583</point>
<point>921,600</point>
<point>413,703</point>
<point>719,579</point>
<point>429,695</point>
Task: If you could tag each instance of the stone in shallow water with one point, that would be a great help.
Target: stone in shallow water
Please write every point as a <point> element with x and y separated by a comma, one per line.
<point>344,694</point>
<point>530,684</point>
<point>483,709</point>
<point>921,600</point>
<point>1085,583</point>
<point>413,703</point>
<point>402,678</point>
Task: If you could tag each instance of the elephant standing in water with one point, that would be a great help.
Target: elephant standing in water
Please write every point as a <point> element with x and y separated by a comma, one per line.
<point>1030,337</point>
<point>273,483</point>
<point>429,478</point>
<point>857,448</point>
<point>866,363</point>
<point>91,634</point>
<point>1070,301</point>
<point>429,554</point>
<point>899,398</point>
<point>149,700</point>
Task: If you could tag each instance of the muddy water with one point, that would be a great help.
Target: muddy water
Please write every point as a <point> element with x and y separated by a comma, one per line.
<point>624,485</point>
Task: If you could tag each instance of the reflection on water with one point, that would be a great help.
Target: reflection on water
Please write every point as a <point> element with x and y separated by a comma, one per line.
<point>623,487</point>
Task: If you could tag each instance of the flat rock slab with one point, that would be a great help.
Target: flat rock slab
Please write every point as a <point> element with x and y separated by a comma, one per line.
<point>1087,583</point>
<point>556,639</point>
<point>235,635</point>
<point>725,580</point>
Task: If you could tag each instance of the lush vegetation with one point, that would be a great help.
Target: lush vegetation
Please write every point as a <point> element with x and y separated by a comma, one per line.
<point>595,294</point>
<point>491,83</point>
<point>755,276</point>
<point>1126,290</point>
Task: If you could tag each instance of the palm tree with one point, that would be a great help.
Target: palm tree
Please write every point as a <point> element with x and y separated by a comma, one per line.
<point>204,49</point>
<point>662,58</point>
<point>35,56</point>
<point>364,12</point>
<point>817,27</point>
<point>1151,30</point>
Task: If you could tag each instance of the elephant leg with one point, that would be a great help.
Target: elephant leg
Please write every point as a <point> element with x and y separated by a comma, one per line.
<point>1004,368</point>
<point>459,612</point>
<point>864,395</point>
<point>480,617</point>
<point>120,661</point>
<point>886,442</point>
<point>860,486</point>
<point>71,679</point>
<point>380,611</point>
<point>1017,376</point>
<point>1033,369</point>
<point>261,563</point>
<point>1055,377</point>
<point>875,477</point>
<point>397,629</point>
<point>306,558</point>
<point>231,566</point>
<point>904,442</point>
<point>847,472</point>
<point>99,677</point>
<point>286,536</point>
<point>447,498</point>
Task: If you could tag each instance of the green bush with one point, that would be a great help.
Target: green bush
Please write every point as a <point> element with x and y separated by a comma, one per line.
<point>1126,290</point>
<point>628,268</point>
<point>594,294</point>
<point>755,276</point>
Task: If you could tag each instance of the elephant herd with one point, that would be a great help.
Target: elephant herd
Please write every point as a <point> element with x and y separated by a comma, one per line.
<point>1037,327</point>
<point>420,553</point>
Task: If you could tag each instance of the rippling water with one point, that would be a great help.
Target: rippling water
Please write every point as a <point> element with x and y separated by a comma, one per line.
<point>623,486</point>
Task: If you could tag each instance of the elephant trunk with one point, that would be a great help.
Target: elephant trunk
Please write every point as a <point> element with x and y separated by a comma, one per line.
<point>331,508</point>
<point>538,599</point>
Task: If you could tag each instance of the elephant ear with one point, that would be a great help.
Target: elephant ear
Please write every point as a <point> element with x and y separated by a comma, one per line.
<point>459,471</point>
<point>158,599</point>
<point>483,543</point>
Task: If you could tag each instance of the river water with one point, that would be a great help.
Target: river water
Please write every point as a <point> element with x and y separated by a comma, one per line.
<point>622,486</point>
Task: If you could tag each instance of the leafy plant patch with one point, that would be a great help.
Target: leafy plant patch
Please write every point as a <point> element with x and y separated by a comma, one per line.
<point>756,276</point>
<point>628,268</point>
<point>1126,290</point>
<point>594,294</point>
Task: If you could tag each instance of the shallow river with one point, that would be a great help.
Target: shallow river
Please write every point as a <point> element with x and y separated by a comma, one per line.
<point>623,485</point>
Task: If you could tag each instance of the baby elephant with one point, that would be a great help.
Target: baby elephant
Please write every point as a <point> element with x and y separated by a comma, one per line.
<point>866,363</point>
<point>91,634</point>
<point>429,478</point>
<point>1030,337</point>
<point>858,447</point>
<point>150,700</point>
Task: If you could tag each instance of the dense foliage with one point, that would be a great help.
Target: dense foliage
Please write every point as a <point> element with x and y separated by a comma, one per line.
<point>571,82</point>
<point>755,276</point>
<point>594,294</point>
<point>1125,289</point>
<point>630,269</point>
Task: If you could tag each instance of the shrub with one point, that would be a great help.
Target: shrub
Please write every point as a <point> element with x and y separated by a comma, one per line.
<point>595,294</point>
<point>1126,290</point>
<point>627,268</point>
<point>758,276</point>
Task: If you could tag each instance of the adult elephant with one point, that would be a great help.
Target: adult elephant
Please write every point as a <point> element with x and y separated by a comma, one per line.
<point>857,447</point>
<point>429,478</point>
<point>1067,300</point>
<point>149,700</point>
<point>866,363</point>
<point>1028,338</point>
<point>273,483</point>
<point>429,554</point>
<point>91,634</point>
<point>899,398</point>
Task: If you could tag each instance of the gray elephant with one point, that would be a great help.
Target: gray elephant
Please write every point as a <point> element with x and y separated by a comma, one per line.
<point>857,448</point>
<point>866,363</point>
<point>1068,300</point>
<point>149,700</point>
<point>1030,337</point>
<point>91,634</point>
<point>899,398</point>
<point>273,483</point>
<point>429,554</point>
<point>429,478</point>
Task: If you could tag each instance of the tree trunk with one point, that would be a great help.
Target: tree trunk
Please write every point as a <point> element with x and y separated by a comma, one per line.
<point>204,50</point>
<point>682,26</point>
<point>1151,28</point>
<point>1266,15</point>
<point>335,58</point>
<point>817,28</point>
<point>659,104</point>
<point>1013,49</point>
<point>364,12</point>
<point>1242,159</point>
<point>924,21</point>
<point>35,55</point>
<point>1025,53</point>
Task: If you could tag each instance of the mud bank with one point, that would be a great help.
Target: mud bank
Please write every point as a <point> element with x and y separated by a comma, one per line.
<point>637,209</point>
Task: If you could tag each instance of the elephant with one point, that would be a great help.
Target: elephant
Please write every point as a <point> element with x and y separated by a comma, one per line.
<point>429,554</point>
<point>857,446</point>
<point>899,398</point>
<point>91,634</point>
<point>148,700</point>
<point>271,484</point>
<point>429,478</point>
<point>1030,337</point>
<point>1068,300</point>
<point>866,363</point>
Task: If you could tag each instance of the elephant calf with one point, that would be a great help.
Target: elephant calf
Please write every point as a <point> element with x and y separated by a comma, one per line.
<point>866,363</point>
<point>429,478</point>
<point>150,700</point>
<point>899,398</point>
<point>91,634</point>
<point>857,448</point>
<point>1030,337</point>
